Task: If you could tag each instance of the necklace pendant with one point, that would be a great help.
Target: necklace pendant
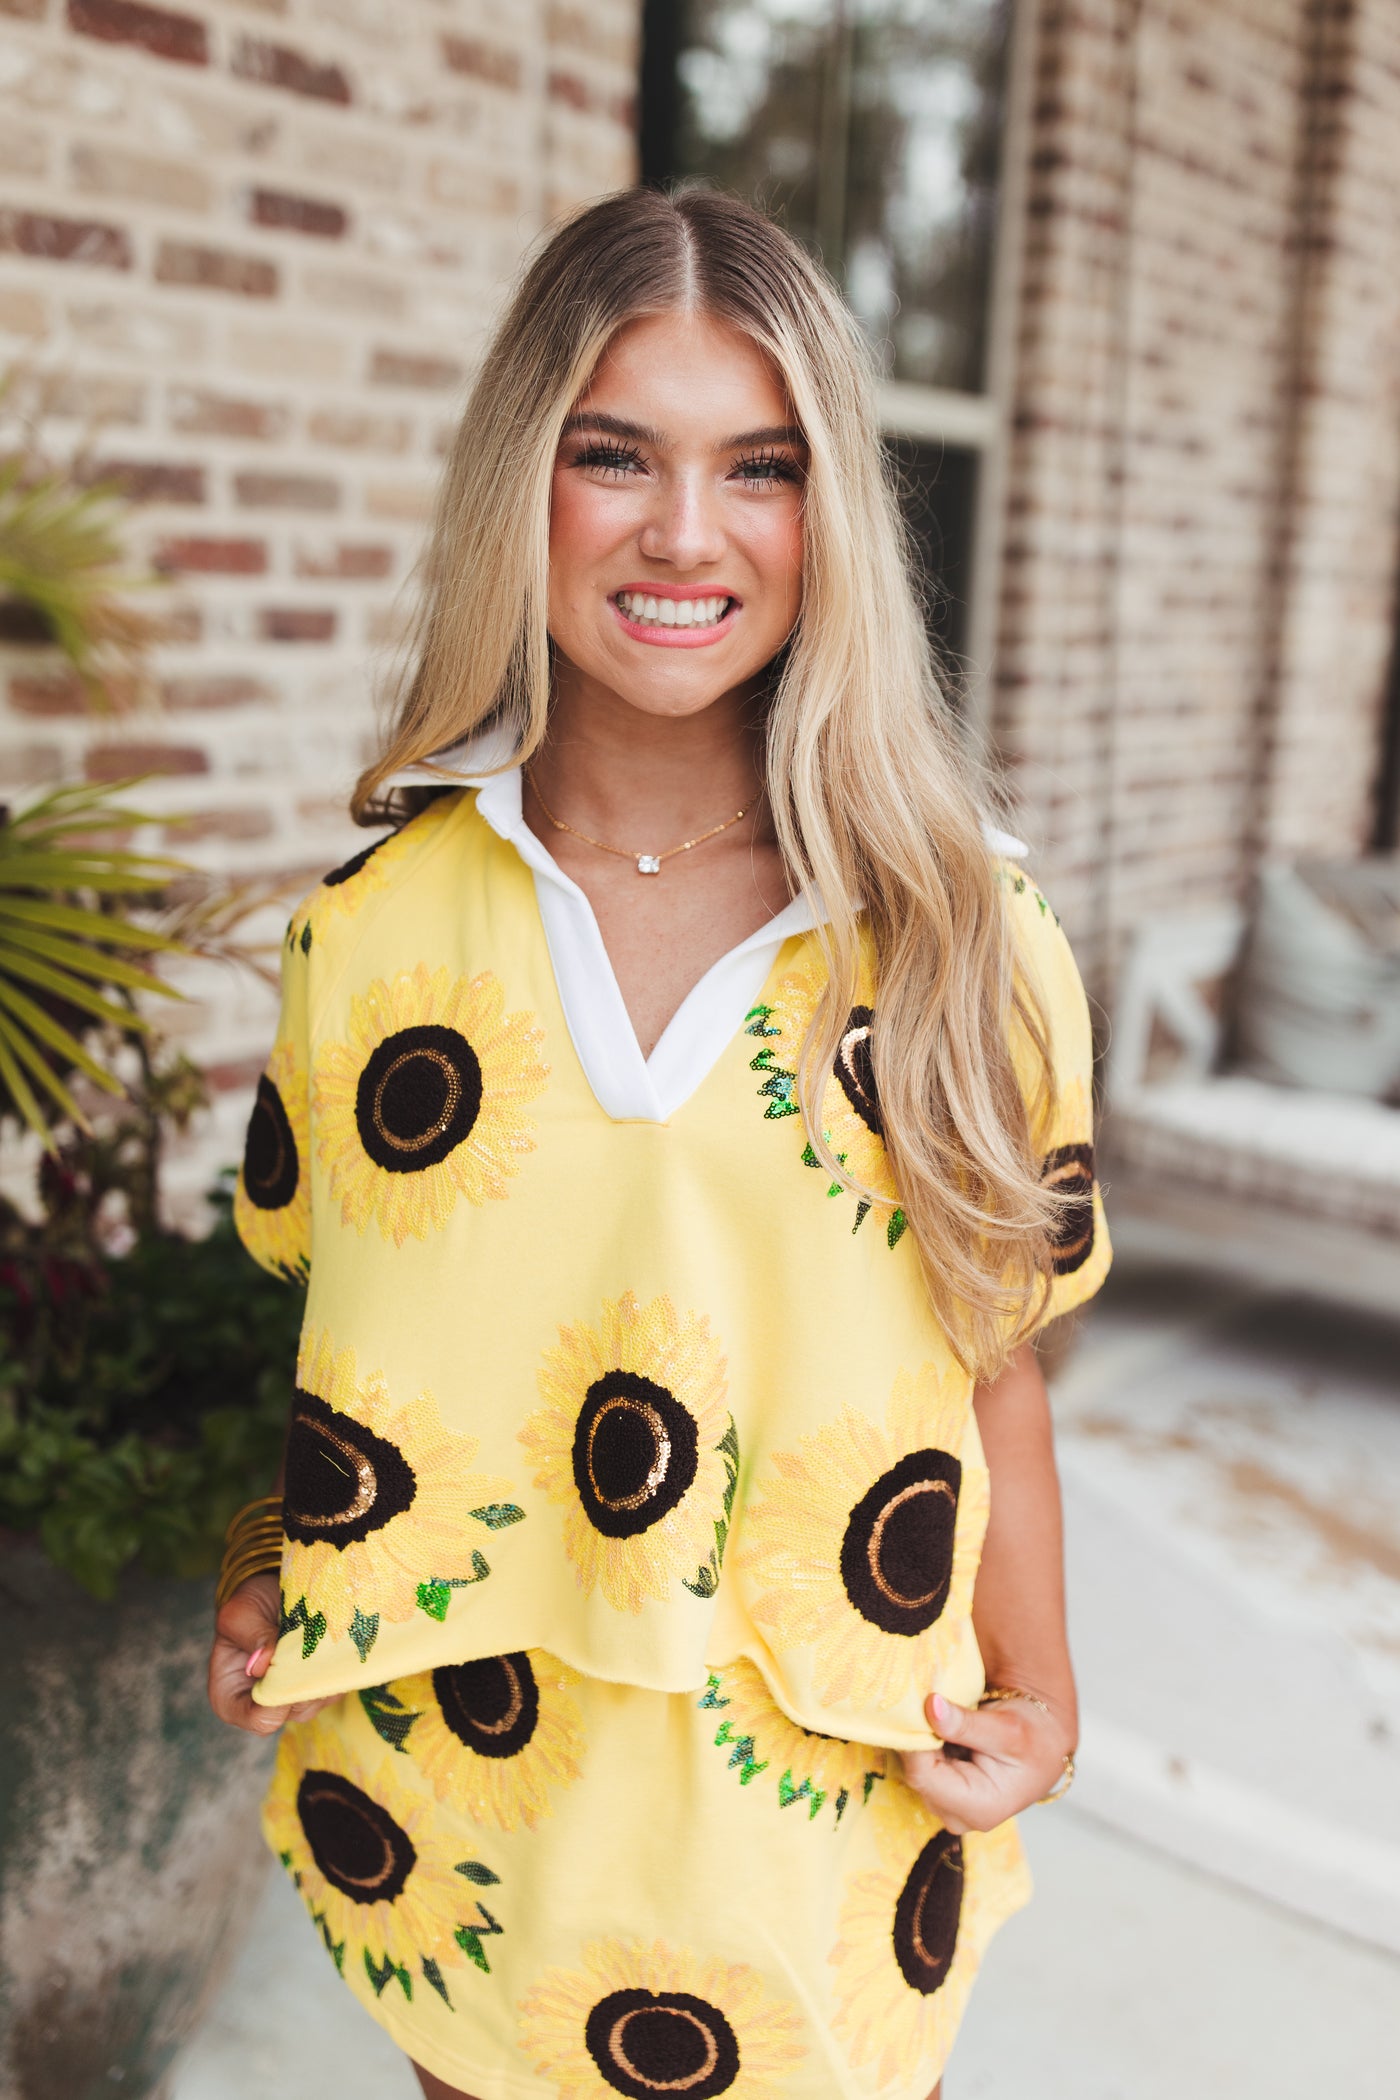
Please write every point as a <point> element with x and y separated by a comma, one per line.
<point>648,863</point>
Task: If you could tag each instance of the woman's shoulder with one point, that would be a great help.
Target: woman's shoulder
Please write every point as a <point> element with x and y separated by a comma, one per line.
<point>335,911</point>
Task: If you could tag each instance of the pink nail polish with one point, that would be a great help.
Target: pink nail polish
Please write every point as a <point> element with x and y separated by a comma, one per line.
<point>253,1660</point>
<point>940,1709</point>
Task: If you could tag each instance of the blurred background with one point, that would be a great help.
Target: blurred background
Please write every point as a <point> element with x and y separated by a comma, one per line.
<point>1131,269</point>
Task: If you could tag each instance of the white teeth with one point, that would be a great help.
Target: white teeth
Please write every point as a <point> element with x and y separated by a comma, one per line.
<point>672,612</point>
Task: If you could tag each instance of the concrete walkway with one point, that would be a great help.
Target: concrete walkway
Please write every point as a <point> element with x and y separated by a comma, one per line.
<point>1218,1912</point>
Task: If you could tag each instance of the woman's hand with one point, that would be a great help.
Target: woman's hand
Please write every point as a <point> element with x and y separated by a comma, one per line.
<point>1002,1758</point>
<point>245,1634</point>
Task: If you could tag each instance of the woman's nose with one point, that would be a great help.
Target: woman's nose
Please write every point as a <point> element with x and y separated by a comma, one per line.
<point>684,526</point>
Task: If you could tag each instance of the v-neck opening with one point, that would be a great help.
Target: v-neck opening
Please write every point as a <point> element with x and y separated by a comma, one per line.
<point>628,1086</point>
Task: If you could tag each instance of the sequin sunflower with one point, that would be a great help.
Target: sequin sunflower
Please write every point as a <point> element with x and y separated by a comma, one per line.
<point>864,1543</point>
<point>272,1199</point>
<point>762,1744</point>
<point>642,2020</point>
<point>424,1103</point>
<point>1068,1169</point>
<point>912,1935</point>
<point>378,1501</point>
<point>496,1736</point>
<point>359,1846</point>
<point>852,1125</point>
<point>634,1441</point>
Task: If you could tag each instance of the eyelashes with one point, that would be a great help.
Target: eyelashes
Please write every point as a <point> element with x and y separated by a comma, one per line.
<point>758,470</point>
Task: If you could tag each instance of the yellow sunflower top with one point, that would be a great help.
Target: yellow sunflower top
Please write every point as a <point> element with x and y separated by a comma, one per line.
<point>638,1395</point>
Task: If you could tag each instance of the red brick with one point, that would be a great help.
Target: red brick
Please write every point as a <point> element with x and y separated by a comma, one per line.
<point>64,240</point>
<point>219,689</point>
<point>297,214</point>
<point>211,557</point>
<point>297,623</point>
<point>150,481</point>
<point>405,368</point>
<point>54,693</point>
<point>219,824</point>
<point>483,61</point>
<point>278,65</point>
<point>25,10</point>
<point>125,761</point>
<point>203,414</point>
<point>287,491</point>
<point>215,270</point>
<point>352,563</point>
<point>156,29</point>
<point>575,92</point>
<point>235,1075</point>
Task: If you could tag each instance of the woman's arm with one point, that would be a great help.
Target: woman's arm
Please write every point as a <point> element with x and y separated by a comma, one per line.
<point>246,1630</point>
<point>1010,1754</point>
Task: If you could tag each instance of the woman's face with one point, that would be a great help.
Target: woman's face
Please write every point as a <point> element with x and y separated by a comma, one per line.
<point>675,535</point>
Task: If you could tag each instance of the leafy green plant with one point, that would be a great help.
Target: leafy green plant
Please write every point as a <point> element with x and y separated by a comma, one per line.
<point>65,947</point>
<point>62,553</point>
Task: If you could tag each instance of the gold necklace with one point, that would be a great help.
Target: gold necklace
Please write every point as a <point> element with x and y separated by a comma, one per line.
<point>647,863</point>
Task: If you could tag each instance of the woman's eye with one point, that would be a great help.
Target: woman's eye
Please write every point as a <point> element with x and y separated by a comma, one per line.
<point>766,470</point>
<point>609,459</point>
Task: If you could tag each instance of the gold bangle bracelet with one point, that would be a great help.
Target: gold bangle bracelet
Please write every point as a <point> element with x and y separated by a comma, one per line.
<point>236,1572</point>
<point>271,1503</point>
<point>1062,1784</point>
<point>995,1693</point>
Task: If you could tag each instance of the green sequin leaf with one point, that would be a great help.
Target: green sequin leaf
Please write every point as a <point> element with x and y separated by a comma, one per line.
<point>335,1948</point>
<point>433,1974</point>
<point>475,1871</point>
<point>470,1944</point>
<point>306,938</point>
<point>364,1631</point>
<point>313,1626</point>
<point>710,1696</point>
<point>388,1716</point>
<point>379,1976</point>
<point>896,1229</point>
<point>498,1514</point>
<point>756,1021</point>
<point>433,1598</point>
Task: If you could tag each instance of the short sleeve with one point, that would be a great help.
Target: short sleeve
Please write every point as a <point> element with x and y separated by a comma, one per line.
<point>272,1200</point>
<point>1063,1133</point>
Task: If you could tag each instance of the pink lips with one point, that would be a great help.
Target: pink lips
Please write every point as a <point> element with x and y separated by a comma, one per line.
<point>674,637</point>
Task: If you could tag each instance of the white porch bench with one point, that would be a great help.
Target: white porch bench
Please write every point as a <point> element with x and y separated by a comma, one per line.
<point>1274,1184</point>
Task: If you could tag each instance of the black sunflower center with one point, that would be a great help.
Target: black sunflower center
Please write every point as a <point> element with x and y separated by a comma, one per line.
<point>353,866</point>
<point>927,1914</point>
<point>897,1551</point>
<point>1069,1170</point>
<point>357,1845</point>
<point>270,1166</point>
<point>491,1705</point>
<point>856,1071</point>
<point>419,1096</point>
<point>343,1481</point>
<point>635,1453</point>
<point>646,2042</point>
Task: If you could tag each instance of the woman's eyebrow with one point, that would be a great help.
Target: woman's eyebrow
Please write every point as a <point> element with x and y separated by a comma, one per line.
<point>643,434</point>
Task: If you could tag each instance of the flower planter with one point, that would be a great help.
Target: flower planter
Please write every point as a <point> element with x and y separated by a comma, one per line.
<point>130,1860</point>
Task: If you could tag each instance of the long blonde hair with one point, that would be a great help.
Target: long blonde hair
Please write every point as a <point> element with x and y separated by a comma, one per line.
<point>875,804</point>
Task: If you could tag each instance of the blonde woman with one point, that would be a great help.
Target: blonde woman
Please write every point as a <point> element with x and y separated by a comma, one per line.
<point>684,1122</point>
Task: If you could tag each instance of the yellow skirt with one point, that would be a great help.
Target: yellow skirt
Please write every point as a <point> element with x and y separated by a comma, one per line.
<point>542,1884</point>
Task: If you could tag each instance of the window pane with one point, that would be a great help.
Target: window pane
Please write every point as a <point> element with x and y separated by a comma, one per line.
<point>871,127</point>
<point>924,137</point>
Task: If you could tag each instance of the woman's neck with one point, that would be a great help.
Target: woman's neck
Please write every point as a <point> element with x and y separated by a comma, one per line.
<point>611,769</point>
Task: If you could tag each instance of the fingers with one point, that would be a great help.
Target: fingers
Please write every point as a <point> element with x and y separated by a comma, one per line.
<point>1001,1731</point>
<point>992,1763</point>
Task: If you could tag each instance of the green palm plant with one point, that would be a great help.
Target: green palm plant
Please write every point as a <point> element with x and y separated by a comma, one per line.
<point>61,556</point>
<point>67,937</point>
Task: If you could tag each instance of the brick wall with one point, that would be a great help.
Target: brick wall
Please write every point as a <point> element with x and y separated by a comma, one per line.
<point>1205,463</point>
<point>253,251</point>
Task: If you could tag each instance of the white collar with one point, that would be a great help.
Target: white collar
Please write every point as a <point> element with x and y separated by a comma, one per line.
<point>628,1086</point>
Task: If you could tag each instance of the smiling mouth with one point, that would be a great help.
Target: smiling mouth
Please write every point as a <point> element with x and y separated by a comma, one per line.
<point>683,613</point>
